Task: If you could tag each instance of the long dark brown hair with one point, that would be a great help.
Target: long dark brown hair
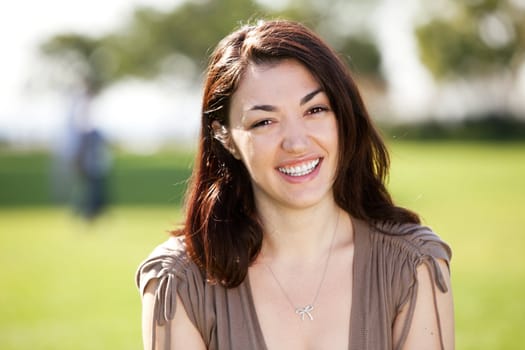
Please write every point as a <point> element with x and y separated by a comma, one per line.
<point>222,229</point>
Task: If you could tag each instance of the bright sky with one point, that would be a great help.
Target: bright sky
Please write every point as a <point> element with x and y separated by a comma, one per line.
<point>29,112</point>
<point>25,23</point>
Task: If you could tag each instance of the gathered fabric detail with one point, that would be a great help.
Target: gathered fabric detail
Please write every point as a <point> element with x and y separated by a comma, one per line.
<point>170,269</point>
<point>415,245</point>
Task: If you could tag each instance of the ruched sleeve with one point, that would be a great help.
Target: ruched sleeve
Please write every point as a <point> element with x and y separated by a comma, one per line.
<point>175,274</point>
<point>412,246</point>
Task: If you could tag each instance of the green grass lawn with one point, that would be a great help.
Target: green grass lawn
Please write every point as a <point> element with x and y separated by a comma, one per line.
<point>68,285</point>
<point>473,196</point>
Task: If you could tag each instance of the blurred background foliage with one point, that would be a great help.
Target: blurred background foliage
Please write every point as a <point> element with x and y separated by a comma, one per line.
<point>474,37</point>
<point>178,42</point>
<point>468,41</point>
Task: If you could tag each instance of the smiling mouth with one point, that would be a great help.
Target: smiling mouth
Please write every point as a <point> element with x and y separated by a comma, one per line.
<point>300,170</point>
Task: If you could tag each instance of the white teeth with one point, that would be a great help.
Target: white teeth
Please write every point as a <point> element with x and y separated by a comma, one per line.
<point>300,170</point>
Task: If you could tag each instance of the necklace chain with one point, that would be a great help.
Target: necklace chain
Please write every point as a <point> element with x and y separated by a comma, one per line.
<point>305,312</point>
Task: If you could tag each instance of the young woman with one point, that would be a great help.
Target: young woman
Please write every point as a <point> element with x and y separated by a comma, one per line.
<point>291,239</point>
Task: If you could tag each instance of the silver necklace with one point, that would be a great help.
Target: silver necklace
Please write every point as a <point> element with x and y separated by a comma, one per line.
<point>305,312</point>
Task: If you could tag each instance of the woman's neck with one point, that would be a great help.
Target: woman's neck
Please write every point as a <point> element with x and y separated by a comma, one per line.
<point>302,234</point>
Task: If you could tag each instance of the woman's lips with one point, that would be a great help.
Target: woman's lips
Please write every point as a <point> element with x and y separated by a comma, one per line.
<point>302,169</point>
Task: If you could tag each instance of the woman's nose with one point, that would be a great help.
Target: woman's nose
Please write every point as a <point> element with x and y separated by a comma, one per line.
<point>295,137</point>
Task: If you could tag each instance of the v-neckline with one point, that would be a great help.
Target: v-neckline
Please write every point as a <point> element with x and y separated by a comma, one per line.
<point>357,227</point>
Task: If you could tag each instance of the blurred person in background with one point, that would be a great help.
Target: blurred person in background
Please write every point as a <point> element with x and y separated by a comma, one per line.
<point>65,148</point>
<point>83,161</point>
<point>92,162</point>
<point>291,239</point>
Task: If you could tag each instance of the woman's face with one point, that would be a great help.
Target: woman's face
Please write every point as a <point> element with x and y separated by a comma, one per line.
<point>284,131</point>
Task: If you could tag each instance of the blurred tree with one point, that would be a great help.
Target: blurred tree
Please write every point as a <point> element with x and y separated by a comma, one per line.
<point>364,56</point>
<point>88,62</point>
<point>346,26</point>
<point>177,42</point>
<point>157,42</point>
<point>474,37</point>
<point>151,43</point>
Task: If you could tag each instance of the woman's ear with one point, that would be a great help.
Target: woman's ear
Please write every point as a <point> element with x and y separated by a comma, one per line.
<point>220,133</point>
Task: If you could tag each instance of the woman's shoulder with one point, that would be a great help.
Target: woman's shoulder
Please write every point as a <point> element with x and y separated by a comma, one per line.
<point>174,276</point>
<point>415,241</point>
<point>168,260</point>
<point>391,254</point>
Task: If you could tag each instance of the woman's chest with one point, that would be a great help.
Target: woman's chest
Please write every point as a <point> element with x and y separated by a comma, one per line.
<point>298,312</point>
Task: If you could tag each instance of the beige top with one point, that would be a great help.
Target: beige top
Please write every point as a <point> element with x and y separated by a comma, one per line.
<point>384,279</point>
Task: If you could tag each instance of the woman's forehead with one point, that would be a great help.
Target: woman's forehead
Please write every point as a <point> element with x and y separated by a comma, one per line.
<point>275,80</point>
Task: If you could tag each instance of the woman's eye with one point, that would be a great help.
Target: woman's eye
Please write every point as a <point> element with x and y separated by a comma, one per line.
<point>260,123</point>
<point>317,109</point>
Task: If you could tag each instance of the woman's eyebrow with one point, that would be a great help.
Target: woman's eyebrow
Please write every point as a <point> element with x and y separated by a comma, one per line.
<point>265,108</point>
<point>311,95</point>
<point>270,108</point>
